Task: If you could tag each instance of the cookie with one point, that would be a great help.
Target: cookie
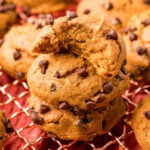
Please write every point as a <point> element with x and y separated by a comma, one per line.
<point>7,16</point>
<point>117,12</point>
<point>89,37</point>
<point>15,52</point>
<point>137,37</point>
<point>44,6</point>
<point>141,123</point>
<point>59,78</point>
<point>74,124</point>
<point>5,127</point>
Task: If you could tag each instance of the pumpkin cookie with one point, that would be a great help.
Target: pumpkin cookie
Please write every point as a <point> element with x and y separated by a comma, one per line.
<point>72,123</point>
<point>137,37</point>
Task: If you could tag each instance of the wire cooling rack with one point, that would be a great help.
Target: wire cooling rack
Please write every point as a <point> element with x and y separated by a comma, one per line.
<point>26,135</point>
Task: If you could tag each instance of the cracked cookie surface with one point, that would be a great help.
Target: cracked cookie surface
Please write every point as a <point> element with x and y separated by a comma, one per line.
<point>117,12</point>
<point>141,123</point>
<point>90,37</point>
<point>66,78</point>
<point>15,51</point>
<point>137,37</point>
<point>73,124</point>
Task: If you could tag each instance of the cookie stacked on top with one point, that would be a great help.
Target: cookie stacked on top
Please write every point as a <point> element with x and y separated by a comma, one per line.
<point>77,82</point>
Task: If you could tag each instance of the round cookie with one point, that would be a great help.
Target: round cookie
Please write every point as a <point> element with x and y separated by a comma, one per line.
<point>15,52</point>
<point>7,16</point>
<point>59,78</point>
<point>141,124</point>
<point>117,12</point>
<point>74,124</point>
<point>137,37</point>
<point>5,127</point>
<point>44,6</point>
<point>90,37</point>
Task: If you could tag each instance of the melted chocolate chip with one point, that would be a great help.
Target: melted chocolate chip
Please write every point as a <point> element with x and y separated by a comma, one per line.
<point>112,35</point>
<point>119,77</point>
<point>36,118</point>
<point>146,22</point>
<point>146,2</point>
<point>49,20</point>
<point>63,105</point>
<point>141,50</point>
<point>71,15</point>
<point>86,11</point>
<point>86,119</point>
<point>124,62</point>
<point>57,74</point>
<point>19,75</point>
<point>100,97</point>
<point>90,104</point>
<point>123,70</point>
<point>43,64</point>
<point>53,87</point>
<point>116,21</point>
<point>132,36</point>
<point>82,72</point>
<point>107,87</point>
<point>103,124</point>
<point>108,5</point>
<point>17,55</point>
<point>44,109</point>
<point>147,114</point>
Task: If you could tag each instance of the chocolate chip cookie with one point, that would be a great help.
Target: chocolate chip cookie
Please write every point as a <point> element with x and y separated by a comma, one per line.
<point>5,127</point>
<point>141,124</point>
<point>7,16</point>
<point>89,37</point>
<point>137,37</point>
<point>65,78</point>
<point>73,123</point>
<point>44,6</point>
<point>15,52</point>
<point>118,12</point>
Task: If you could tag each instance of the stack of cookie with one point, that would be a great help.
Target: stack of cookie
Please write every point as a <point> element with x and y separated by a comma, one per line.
<point>76,87</point>
<point>5,127</point>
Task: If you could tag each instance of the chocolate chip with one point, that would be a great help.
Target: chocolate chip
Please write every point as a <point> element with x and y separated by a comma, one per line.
<point>82,72</point>
<point>112,35</point>
<point>53,87</point>
<point>86,11</point>
<point>107,87</point>
<point>36,118</point>
<point>52,135</point>
<point>103,124</point>
<point>147,114</point>
<point>141,50</point>
<point>17,55</point>
<point>71,15</point>
<point>78,111</point>
<point>19,75</point>
<point>49,20</point>
<point>99,97</point>
<point>124,62</point>
<point>57,74</point>
<point>9,127</point>
<point>146,22</point>
<point>116,21</point>
<point>90,104</point>
<point>86,119</point>
<point>119,77</point>
<point>63,105</point>
<point>132,36</point>
<point>43,64</point>
<point>123,70</point>
<point>44,108</point>
<point>146,1</point>
<point>108,5</point>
